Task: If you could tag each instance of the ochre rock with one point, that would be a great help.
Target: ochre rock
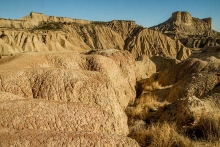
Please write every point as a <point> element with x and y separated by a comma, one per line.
<point>186,111</point>
<point>30,114</point>
<point>55,138</point>
<point>38,32</point>
<point>192,32</point>
<point>105,79</point>
<point>151,43</point>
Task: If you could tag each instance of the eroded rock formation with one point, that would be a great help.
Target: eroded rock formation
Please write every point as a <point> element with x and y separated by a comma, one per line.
<point>185,94</point>
<point>50,33</point>
<point>192,32</point>
<point>67,92</point>
<point>63,84</point>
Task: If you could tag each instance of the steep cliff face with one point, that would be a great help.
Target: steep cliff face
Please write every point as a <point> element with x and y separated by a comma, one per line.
<point>192,32</point>
<point>50,33</point>
<point>34,19</point>
<point>153,43</point>
<point>183,22</point>
<point>39,17</point>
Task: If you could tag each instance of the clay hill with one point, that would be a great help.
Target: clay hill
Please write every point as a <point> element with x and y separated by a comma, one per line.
<point>38,32</point>
<point>72,82</point>
<point>192,32</point>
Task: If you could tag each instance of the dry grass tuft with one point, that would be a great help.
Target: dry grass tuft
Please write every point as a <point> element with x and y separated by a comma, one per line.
<point>138,131</point>
<point>207,128</point>
<point>165,135</point>
<point>149,85</point>
<point>158,135</point>
<point>145,104</point>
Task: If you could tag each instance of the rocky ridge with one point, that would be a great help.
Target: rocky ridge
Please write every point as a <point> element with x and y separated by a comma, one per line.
<point>50,33</point>
<point>192,32</point>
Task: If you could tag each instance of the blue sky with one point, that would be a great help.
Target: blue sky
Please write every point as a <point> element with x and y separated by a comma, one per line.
<point>145,12</point>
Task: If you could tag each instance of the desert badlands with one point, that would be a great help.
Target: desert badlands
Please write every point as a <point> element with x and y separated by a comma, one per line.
<point>72,82</point>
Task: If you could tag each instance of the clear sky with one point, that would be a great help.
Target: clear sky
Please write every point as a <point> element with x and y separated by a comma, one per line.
<point>145,12</point>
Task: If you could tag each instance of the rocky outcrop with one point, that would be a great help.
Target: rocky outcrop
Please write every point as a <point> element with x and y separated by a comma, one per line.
<point>181,71</point>
<point>34,19</point>
<point>163,63</point>
<point>185,111</point>
<point>57,34</point>
<point>211,54</point>
<point>198,84</point>
<point>153,43</point>
<point>183,22</point>
<point>67,92</point>
<point>40,17</point>
<point>192,32</point>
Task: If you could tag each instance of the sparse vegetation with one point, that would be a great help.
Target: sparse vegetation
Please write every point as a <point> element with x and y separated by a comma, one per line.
<point>49,26</point>
<point>150,127</point>
<point>158,135</point>
<point>99,23</point>
<point>145,104</point>
<point>165,135</point>
<point>207,128</point>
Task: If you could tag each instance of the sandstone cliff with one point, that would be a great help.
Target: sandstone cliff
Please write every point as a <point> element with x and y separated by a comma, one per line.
<point>192,32</point>
<point>34,19</point>
<point>49,33</point>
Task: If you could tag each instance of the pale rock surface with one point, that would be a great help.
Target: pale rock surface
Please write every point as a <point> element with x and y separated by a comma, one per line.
<point>67,92</point>
<point>144,68</point>
<point>45,115</point>
<point>163,63</point>
<point>74,139</point>
<point>6,96</point>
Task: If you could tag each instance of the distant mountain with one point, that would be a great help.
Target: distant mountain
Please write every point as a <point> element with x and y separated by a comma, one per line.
<point>192,32</point>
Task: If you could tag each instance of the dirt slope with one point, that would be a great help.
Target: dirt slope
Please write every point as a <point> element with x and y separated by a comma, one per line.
<point>50,33</point>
